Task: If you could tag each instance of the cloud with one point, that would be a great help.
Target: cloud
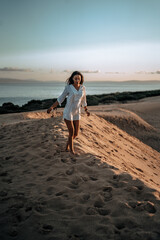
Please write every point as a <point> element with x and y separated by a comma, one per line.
<point>141,72</point>
<point>115,72</point>
<point>144,72</point>
<point>10,69</point>
<point>83,71</point>
<point>89,71</point>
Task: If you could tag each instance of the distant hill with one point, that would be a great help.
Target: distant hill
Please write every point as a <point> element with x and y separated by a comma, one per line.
<point>13,80</point>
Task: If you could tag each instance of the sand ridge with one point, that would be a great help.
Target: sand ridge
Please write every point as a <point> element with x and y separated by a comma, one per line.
<point>138,118</point>
<point>110,191</point>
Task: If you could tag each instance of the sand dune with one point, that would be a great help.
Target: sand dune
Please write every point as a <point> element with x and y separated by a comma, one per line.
<point>110,191</point>
<point>140,119</point>
<point>134,125</point>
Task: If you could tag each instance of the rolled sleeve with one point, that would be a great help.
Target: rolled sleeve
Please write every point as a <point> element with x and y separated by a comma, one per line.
<point>61,98</point>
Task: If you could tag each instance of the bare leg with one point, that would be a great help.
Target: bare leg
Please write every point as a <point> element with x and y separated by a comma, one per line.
<point>70,127</point>
<point>67,145</point>
<point>76,128</point>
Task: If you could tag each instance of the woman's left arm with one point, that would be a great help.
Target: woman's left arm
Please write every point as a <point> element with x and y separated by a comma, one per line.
<point>84,101</point>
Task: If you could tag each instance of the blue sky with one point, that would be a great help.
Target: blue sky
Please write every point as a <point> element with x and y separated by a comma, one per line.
<point>111,38</point>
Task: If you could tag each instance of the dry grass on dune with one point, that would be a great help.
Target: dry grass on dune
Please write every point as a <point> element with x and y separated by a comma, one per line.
<point>110,191</point>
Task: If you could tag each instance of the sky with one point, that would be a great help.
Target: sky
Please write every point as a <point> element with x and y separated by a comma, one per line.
<point>105,39</point>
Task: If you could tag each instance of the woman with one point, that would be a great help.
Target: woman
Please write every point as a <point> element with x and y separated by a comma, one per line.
<point>76,96</point>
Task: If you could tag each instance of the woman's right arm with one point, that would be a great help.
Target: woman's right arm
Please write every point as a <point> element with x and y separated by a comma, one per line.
<point>60,99</point>
<point>55,104</point>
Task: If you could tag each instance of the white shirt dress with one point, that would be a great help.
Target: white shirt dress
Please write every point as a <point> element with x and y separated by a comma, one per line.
<point>75,98</point>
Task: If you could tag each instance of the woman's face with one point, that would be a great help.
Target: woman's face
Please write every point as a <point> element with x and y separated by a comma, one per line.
<point>77,79</point>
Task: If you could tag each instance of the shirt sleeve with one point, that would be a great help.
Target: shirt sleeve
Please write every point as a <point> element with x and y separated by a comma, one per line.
<point>61,98</point>
<point>84,101</point>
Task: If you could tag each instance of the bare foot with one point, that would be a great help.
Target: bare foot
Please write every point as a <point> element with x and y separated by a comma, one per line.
<point>74,153</point>
<point>67,147</point>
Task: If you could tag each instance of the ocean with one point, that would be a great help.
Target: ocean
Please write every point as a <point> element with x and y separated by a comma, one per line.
<point>22,92</point>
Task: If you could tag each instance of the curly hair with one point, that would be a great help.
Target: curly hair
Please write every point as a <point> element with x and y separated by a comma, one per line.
<point>70,79</point>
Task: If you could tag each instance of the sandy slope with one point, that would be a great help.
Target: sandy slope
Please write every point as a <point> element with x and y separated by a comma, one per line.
<point>110,191</point>
<point>140,119</point>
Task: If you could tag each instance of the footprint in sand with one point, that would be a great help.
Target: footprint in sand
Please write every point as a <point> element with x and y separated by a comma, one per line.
<point>3,193</point>
<point>46,228</point>
<point>139,169</point>
<point>39,208</point>
<point>9,157</point>
<point>7,180</point>
<point>41,174</point>
<point>74,237</point>
<point>73,186</point>
<point>116,177</point>
<point>143,206</point>
<point>103,211</point>
<point>120,225</point>
<point>30,184</point>
<point>65,160</point>
<point>86,197</point>
<point>91,211</point>
<point>149,207</point>
<point>107,193</point>
<point>50,191</point>
<point>140,188</point>
<point>70,171</point>
<point>90,163</point>
<point>99,203</point>
<point>75,182</point>
<point>28,208</point>
<point>59,193</point>
<point>50,179</point>
<point>49,157</point>
<point>13,232</point>
<point>156,174</point>
<point>73,159</point>
<point>93,178</point>
<point>3,174</point>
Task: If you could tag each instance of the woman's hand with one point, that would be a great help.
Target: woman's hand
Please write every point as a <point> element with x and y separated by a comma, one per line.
<point>54,106</point>
<point>49,110</point>
<point>88,113</point>
<point>86,110</point>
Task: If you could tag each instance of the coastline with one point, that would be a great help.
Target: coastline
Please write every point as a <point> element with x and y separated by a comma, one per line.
<point>92,100</point>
